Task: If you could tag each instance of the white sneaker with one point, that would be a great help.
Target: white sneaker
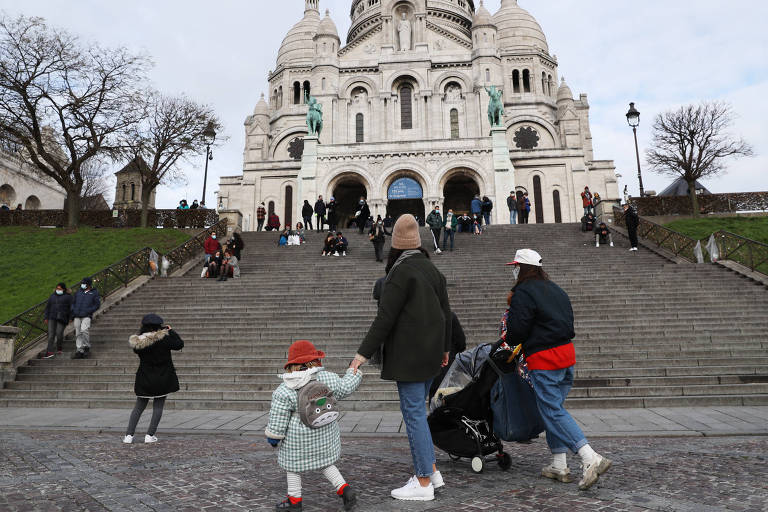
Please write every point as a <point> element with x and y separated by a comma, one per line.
<point>413,491</point>
<point>438,251</point>
<point>593,471</point>
<point>150,439</point>
<point>335,254</point>
<point>344,253</point>
<point>611,244</point>
<point>437,480</point>
<point>597,244</point>
<point>128,439</point>
<point>561,475</point>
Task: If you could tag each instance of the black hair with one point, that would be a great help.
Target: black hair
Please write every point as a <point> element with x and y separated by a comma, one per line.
<point>149,328</point>
<point>530,273</point>
<point>62,285</point>
<point>394,254</point>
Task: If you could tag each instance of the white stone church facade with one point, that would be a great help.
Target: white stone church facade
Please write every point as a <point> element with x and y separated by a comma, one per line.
<point>405,116</point>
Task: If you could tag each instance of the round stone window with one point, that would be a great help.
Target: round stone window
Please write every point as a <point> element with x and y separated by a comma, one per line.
<point>296,148</point>
<point>526,138</point>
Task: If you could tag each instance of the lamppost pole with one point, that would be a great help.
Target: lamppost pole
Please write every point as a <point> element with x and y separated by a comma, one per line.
<point>209,136</point>
<point>633,118</point>
<point>205,176</point>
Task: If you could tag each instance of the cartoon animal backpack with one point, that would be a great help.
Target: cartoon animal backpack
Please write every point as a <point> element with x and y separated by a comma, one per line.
<point>317,405</point>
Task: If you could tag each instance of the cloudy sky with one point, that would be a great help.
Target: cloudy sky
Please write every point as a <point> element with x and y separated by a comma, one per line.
<point>660,54</point>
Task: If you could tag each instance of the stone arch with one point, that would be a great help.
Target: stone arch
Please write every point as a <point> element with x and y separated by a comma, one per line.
<point>284,136</point>
<point>346,186</point>
<point>358,81</point>
<point>343,172</point>
<point>540,200</point>
<point>410,169</point>
<point>413,76</point>
<point>415,206</point>
<point>7,194</point>
<point>460,167</point>
<point>32,203</point>
<point>452,76</point>
<point>543,123</point>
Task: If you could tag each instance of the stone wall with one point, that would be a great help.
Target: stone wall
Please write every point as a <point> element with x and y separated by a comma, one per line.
<point>709,203</point>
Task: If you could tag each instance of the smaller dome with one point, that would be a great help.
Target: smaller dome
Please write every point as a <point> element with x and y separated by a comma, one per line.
<point>482,17</point>
<point>564,92</point>
<point>261,109</point>
<point>327,27</point>
<point>298,46</point>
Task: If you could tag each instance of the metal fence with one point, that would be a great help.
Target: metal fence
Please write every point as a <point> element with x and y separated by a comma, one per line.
<point>747,252</point>
<point>126,218</point>
<point>31,323</point>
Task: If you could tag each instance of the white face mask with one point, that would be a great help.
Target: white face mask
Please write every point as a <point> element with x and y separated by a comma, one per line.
<point>213,236</point>
<point>59,292</point>
<point>83,286</point>
<point>516,272</point>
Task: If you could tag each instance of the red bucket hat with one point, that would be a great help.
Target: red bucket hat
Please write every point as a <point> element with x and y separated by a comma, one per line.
<point>303,351</point>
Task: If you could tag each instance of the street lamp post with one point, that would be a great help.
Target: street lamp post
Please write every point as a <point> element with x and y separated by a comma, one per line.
<point>633,118</point>
<point>209,135</point>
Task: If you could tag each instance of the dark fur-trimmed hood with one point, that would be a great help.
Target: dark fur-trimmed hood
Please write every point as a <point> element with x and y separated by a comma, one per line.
<point>141,341</point>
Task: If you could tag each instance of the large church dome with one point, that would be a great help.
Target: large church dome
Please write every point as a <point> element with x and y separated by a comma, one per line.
<point>517,28</point>
<point>298,46</point>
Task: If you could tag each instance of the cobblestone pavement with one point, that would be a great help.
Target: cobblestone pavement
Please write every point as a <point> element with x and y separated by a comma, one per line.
<point>49,471</point>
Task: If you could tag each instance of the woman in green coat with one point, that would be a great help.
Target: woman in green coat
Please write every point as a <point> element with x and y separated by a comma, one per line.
<point>413,324</point>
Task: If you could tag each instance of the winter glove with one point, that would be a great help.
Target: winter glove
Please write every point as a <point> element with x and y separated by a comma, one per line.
<point>273,442</point>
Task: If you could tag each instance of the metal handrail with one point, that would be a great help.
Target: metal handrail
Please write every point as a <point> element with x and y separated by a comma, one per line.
<point>108,280</point>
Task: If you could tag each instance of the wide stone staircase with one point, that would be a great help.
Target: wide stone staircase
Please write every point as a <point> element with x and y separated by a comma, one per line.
<point>649,332</point>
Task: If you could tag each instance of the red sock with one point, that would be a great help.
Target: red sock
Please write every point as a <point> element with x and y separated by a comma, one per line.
<point>294,500</point>
<point>341,489</point>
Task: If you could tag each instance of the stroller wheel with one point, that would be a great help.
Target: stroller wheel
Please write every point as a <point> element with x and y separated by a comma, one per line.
<point>477,464</point>
<point>454,457</point>
<point>504,460</point>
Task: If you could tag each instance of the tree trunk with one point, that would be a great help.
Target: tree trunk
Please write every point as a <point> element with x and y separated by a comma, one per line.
<point>694,198</point>
<point>146,192</point>
<point>73,209</point>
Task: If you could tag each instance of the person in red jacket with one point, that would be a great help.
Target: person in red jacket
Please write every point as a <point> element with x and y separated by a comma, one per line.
<point>211,245</point>
<point>586,200</point>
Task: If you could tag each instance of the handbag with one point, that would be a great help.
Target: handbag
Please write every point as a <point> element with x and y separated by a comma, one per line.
<point>516,415</point>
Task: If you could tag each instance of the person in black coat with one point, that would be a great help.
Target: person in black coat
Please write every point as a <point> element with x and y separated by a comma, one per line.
<point>331,212</point>
<point>632,219</point>
<point>156,377</point>
<point>236,245</point>
<point>377,235</point>
<point>306,214</point>
<point>58,313</point>
<point>320,210</point>
<point>363,214</point>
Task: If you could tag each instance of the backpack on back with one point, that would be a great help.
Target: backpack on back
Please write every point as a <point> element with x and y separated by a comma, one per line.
<point>316,405</point>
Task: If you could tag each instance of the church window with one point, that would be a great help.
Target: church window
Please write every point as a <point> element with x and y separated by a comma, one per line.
<point>516,81</point>
<point>271,208</point>
<point>406,107</point>
<point>454,123</point>
<point>280,97</point>
<point>296,148</point>
<point>526,138</point>
<point>549,86</point>
<point>487,75</point>
<point>322,84</point>
<point>133,191</point>
<point>526,81</point>
<point>543,83</point>
<point>288,206</point>
<point>325,47</point>
<point>296,93</point>
<point>359,128</point>
<point>306,90</point>
<point>125,191</point>
<point>537,206</point>
<point>556,202</point>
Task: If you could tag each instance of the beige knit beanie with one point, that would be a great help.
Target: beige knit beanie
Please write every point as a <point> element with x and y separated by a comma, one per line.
<point>406,233</point>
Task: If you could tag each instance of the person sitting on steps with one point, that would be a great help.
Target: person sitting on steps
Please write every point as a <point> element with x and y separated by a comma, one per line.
<point>329,245</point>
<point>603,235</point>
<point>340,249</point>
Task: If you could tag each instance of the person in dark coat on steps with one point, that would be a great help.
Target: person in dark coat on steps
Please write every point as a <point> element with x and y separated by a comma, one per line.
<point>320,211</point>
<point>413,323</point>
<point>85,303</point>
<point>632,220</point>
<point>363,213</point>
<point>306,214</point>
<point>377,235</point>
<point>540,318</point>
<point>58,313</point>
<point>156,377</point>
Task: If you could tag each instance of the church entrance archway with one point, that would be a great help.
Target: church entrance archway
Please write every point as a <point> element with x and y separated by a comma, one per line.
<point>347,192</point>
<point>405,195</point>
<point>7,195</point>
<point>459,191</point>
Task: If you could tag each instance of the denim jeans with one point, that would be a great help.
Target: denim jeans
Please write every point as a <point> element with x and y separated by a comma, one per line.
<point>446,234</point>
<point>413,397</point>
<point>552,388</point>
<point>487,218</point>
<point>513,216</point>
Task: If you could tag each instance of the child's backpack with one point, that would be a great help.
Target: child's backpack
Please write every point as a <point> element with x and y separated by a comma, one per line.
<point>316,405</point>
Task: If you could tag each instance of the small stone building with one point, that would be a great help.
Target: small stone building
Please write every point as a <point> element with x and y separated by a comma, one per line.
<point>128,187</point>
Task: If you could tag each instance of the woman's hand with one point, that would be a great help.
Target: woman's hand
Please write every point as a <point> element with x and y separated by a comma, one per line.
<point>355,365</point>
<point>445,359</point>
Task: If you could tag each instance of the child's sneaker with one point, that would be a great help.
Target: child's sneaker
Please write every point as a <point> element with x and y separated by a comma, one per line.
<point>413,491</point>
<point>128,439</point>
<point>349,497</point>
<point>437,480</point>
<point>561,475</point>
<point>289,504</point>
<point>150,439</point>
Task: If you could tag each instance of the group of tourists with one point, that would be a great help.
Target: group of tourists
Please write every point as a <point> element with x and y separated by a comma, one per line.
<point>519,207</point>
<point>222,263</point>
<point>62,308</point>
<point>335,244</point>
<point>324,213</point>
<point>589,201</point>
<point>183,205</point>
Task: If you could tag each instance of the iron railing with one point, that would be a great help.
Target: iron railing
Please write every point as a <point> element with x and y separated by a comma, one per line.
<point>126,218</point>
<point>31,323</point>
<point>747,252</point>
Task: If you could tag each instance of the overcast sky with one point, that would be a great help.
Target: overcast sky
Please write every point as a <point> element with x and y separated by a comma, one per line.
<point>659,54</point>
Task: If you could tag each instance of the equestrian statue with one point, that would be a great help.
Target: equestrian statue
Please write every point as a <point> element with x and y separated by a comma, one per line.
<point>314,116</point>
<point>495,106</point>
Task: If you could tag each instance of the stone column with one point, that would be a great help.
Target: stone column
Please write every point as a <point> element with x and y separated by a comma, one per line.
<point>7,339</point>
<point>307,180</point>
<point>503,174</point>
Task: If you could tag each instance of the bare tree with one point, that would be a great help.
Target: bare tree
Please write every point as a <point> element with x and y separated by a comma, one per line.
<point>95,178</point>
<point>63,101</point>
<point>171,132</point>
<point>693,142</point>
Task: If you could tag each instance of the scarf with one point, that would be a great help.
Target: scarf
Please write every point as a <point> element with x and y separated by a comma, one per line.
<point>406,254</point>
<point>297,380</point>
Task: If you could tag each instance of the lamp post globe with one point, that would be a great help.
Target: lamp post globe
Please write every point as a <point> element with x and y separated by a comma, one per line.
<point>209,137</point>
<point>633,118</point>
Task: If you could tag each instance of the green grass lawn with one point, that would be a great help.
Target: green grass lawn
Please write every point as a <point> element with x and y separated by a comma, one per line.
<point>755,228</point>
<point>34,259</point>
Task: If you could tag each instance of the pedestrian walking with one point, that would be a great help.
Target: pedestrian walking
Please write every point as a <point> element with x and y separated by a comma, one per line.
<point>377,236</point>
<point>512,205</point>
<point>476,209</point>
<point>362,214</point>
<point>435,223</point>
<point>526,207</point>
<point>450,224</point>
<point>586,200</point>
<point>320,211</point>
<point>309,442</point>
<point>331,212</point>
<point>85,303</point>
<point>57,315</point>
<point>486,207</point>
<point>156,377</point>
<point>261,214</point>
<point>306,214</point>
<point>540,318</point>
<point>413,324</point>
<point>632,220</point>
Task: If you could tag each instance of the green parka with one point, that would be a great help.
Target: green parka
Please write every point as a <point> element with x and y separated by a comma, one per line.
<point>413,322</point>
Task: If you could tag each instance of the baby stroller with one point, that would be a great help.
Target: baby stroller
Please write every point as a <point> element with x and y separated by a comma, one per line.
<point>461,419</point>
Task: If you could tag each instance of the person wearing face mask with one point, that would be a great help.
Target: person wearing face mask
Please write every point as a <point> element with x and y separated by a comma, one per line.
<point>377,235</point>
<point>85,303</point>
<point>435,223</point>
<point>210,246</point>
<point>57,316</point>
<point>450,223</point>
<point>540,318</point>
<point>362,214</point>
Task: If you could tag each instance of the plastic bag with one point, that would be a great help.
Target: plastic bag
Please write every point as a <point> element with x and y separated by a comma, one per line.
<point>697,252</point>
<point>152,263</point>
<point>164,268</point>
<point>713,249</point>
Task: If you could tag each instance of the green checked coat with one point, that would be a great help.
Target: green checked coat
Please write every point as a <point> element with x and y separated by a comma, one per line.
<point>304,448</point>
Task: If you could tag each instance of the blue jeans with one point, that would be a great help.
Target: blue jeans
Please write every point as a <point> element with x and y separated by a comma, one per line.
<point>413,397</point>
<point>487,218</point>
<point>552,388</point>
<point>513,216</point>
<point>446,234</point>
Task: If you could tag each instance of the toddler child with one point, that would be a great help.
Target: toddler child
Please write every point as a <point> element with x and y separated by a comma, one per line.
<point>303,447</point>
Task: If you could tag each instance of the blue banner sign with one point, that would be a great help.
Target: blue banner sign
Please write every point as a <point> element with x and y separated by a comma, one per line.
<point>404,188</point>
